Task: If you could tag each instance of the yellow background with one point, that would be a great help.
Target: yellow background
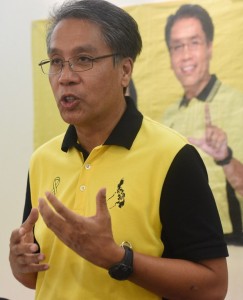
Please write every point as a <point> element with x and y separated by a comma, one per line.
<point>155,82</point>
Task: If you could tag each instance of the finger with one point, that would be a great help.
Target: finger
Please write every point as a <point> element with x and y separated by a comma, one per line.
<point>61,209</point>
<point>25,228</point>
<point>28,259</point>
<point>33,268</point>
<point>195,142</point>
<point>53,221</point>
<point>46,212</point>
<point>30,263</point>
<point>101,202</point>
<point>29,223</point>
<point>25,248</point>
<point>208,121</point>
<point>210,135</point>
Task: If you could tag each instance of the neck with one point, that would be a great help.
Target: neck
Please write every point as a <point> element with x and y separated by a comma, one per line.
<point>194,91</point>
<point>96,134</point>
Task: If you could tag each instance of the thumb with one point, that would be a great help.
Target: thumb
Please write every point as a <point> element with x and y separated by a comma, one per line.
<point>195,142</point>
<point>101,204</point>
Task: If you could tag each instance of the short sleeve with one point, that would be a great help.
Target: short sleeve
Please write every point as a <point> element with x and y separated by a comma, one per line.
<point>191,227</point>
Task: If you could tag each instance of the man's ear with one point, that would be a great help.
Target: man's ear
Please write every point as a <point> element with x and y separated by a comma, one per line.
<point>127,67</point>
<point>210,50</point>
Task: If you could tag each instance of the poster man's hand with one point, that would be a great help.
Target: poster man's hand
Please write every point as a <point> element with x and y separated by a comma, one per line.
<point>214,141</point>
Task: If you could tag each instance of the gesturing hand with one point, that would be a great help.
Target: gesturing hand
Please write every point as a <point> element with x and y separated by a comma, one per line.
<point>24,260</point>
<point>90,237</point>
<point>214,141</point>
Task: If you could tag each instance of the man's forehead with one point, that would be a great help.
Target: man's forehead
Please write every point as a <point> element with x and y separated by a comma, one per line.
<point>74,27</point>
<point>186,27</point>
<point>76,35</point>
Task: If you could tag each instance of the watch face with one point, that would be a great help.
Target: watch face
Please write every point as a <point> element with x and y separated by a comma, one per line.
<point>120,271</point>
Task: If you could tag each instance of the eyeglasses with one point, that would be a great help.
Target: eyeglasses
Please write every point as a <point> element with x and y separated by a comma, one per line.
<point>78,63</point>
<point>192,45</point>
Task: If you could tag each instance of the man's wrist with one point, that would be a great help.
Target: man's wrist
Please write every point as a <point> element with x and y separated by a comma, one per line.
<point>226,160</point>
<point>123,269</point>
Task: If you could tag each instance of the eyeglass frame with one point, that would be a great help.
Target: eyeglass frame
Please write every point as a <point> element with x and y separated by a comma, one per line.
<point>191,44</point>
<point>91,61</point>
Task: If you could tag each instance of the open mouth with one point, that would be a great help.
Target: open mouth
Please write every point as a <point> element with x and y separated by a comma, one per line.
<point>68,99</point>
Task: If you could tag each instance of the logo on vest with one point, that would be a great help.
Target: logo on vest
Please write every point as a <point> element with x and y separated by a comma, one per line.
<point>118,196</point>
<point>55,184</point>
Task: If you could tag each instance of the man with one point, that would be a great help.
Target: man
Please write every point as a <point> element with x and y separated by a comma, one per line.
<point>148,234</point>
<point>209,113</point>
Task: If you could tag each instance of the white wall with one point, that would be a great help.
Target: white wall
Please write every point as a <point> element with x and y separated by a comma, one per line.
<point>16,124</point>
<point>16,131</point>
<point>16,121</point>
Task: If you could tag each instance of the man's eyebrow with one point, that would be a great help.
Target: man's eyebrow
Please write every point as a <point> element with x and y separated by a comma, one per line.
<point>195,36</point>
<point>79,49</point>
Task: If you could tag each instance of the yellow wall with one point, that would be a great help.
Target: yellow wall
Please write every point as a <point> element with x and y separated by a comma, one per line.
<point>155,82</point>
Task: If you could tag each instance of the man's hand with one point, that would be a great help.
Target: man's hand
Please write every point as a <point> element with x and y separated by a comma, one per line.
<point>90,237</point>
<point>24,260</point>
<point>214,142</point>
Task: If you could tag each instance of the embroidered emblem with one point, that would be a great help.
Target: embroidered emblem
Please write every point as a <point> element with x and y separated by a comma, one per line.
<point>120,195</point>
<point>55,184</point>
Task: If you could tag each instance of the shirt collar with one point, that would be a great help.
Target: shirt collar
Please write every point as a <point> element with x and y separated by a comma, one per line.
<point>123,134</point>
<point>203,95</point>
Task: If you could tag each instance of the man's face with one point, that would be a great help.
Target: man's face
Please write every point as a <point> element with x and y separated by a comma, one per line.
<point>86,98</point>
<point>190,53</point>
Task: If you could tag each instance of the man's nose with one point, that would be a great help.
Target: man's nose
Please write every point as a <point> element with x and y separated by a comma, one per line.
<point>67,74</point>
<point>187,50</point>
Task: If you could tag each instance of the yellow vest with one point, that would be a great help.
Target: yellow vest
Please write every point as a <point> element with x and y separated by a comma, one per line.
<point>133,179</point>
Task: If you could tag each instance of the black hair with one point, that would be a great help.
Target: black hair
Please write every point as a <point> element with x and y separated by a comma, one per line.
<point>191,11</point>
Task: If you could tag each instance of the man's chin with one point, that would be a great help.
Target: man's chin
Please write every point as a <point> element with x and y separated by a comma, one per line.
<point>189,83</point>
<point>70,118</point>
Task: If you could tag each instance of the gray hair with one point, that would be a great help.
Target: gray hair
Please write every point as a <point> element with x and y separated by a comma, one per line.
<point>120,31</point>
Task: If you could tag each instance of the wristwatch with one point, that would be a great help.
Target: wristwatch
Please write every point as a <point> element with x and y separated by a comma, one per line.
<point>123,269</point>
<point>227,159</point>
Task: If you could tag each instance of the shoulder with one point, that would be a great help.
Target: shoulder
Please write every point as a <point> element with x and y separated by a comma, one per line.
<point>160,137</point>
<point>170,110</point>
<point>53,146</point>
<point>233,94</point>
<point>187,169</point>
<point>162,130</point>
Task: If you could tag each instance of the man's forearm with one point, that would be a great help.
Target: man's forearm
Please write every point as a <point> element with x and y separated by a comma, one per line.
<point>181,279</point>
<point>234,174</point>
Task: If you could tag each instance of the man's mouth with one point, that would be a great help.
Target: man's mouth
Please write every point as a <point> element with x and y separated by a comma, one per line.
<point>68,99</point>
<point>187,69</point>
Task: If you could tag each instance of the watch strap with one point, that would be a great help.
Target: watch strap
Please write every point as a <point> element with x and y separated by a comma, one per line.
<point>226,160</point>
<point>123,269</point>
